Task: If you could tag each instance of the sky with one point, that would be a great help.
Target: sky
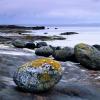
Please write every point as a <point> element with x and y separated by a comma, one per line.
<point>49,11</point>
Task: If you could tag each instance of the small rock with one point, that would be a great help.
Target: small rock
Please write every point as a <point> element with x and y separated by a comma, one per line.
<point>45,33</point>
<point>45,51</point>
<point>88,56</point>
<point>68,33</point>
<point>38,75</point>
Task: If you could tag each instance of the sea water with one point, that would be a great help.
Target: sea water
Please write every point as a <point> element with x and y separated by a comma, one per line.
<point>88,35</point>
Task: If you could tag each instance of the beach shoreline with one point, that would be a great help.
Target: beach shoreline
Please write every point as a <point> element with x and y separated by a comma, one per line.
<point>75,77</point>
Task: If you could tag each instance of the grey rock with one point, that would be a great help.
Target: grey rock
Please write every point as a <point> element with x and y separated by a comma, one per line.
<point>64,54</point>
<point>18,43</point>
<point>88,56</point>
<point>45,51</point>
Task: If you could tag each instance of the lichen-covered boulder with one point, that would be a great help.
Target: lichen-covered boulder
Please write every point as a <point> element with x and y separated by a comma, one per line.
<point>88,56</point>
<point>64,54</point>
<point>18,43</point>
<point>45,51</point>
<point>38,75</point>
<point>40,44</point>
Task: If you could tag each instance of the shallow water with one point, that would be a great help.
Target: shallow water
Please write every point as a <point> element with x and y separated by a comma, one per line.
<point>88,35</point>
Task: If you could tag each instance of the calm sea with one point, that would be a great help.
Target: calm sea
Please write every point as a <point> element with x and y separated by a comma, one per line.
<point>88,35</point>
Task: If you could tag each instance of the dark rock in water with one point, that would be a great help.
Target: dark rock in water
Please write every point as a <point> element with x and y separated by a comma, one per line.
<point>21,27</point>
<point>88,56</point>
<point>30,45</point>
<point>56,28</point>
<point>97,46</point>
<point>38,27</point>
<point>13,27</point>
<point>45,51</point>
<point>64,54</point>
<point>38,75</point>
<point>19,33</point>
<point>40,44</point>
<point>18,43</point>
<point>68,33</point>
<point>45,33</point>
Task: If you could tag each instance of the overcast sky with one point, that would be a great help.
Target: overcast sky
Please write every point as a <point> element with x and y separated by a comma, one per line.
<point>49,11</point>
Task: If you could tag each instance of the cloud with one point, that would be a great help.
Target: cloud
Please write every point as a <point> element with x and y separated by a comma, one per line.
<point>49,11</point>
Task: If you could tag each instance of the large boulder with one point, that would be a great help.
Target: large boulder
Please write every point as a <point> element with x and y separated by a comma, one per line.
<point>65,54</point>
<point>18,43</point>
<point>45,51</point>
<point>38,75</point>
<point>88,56</point>
<point>30,45</point>
<point>40,44</point>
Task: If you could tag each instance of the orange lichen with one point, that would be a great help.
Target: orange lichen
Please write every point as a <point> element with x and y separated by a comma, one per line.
<point>39,62</point>
<point>55,64</point>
